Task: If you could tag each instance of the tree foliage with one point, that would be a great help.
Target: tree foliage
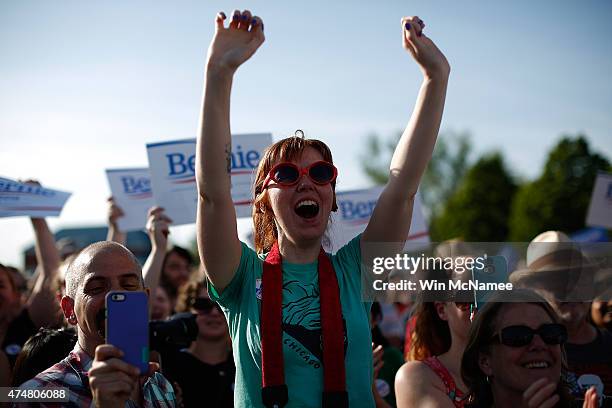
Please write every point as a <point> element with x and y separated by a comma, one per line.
<point>559,198</point>
<point>377,156</point>
<point>483,202</point>
<point>479,209</point>
<point>445,170</point>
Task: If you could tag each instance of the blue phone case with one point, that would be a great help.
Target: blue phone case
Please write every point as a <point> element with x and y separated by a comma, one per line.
<point>127,326</point>
<point>495,271</point>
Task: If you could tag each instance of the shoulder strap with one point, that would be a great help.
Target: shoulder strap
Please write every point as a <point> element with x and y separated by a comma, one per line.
<point>274,391</point>
<point>334,375</point>
<point>441,371</point>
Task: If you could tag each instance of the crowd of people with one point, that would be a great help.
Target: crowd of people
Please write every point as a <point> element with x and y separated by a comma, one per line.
<point>284,323</point>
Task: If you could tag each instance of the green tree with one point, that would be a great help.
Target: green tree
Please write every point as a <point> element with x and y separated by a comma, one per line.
<point>445,170</point>
<point>377,156</point>
<point>479,209</point>
<point>559,198</point>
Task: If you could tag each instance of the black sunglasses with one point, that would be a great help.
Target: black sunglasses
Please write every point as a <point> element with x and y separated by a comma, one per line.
<point>519,336</point>
<point>204,305</point>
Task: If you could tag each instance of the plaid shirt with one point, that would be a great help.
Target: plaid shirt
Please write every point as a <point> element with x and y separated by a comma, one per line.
<point>72,373</point>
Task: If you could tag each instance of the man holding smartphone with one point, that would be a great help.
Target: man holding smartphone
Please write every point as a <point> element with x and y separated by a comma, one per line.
<point>94,371</point>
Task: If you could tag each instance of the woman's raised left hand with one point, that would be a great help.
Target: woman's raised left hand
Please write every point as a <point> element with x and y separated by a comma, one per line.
<point>432,61</point>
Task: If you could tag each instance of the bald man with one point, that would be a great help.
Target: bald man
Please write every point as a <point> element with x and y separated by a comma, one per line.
<point>93,371</point>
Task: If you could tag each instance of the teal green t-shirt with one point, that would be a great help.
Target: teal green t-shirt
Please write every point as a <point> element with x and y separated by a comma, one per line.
<point>241,303</point>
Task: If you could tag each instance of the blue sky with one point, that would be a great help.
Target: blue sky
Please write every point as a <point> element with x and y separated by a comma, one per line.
<point>85,85</point>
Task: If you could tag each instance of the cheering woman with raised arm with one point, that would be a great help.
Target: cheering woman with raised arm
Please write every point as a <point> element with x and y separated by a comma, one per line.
<point>299,328</point>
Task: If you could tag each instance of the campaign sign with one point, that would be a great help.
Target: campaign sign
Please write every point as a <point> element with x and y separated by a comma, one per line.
<point>600,209</point>
<point>18,199</point>
<point>131,189</point>
<point>172,168</point>
<point>354,211</point>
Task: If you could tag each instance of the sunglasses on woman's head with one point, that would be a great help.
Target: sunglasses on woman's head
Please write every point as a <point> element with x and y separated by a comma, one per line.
<point>287,174</point>
<point>519,336</point>
<point>204,305</point>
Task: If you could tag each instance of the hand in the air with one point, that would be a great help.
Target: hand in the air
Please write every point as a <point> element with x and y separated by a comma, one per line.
<point>235,44</point>
<point>158,227</point>
<point>431,60</point>
<point>114,213</point>
<point>32,182</point>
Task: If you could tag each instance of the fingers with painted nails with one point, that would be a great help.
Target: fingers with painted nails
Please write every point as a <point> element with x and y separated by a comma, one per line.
<point>431,60</point>
<point>236,43</point>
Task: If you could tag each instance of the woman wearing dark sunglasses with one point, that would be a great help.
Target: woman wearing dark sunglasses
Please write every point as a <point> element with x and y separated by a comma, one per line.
<point>299,328</point>
<point>515,357</point>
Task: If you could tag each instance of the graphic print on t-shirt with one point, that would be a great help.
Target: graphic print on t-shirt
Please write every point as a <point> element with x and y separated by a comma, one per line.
<point>301,318</point>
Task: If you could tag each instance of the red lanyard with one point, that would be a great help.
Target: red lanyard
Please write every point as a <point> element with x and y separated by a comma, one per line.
<point>274,392</point>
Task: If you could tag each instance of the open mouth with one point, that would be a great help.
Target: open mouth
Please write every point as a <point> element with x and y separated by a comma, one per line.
<point>307,209</point>
<point>536,365</point>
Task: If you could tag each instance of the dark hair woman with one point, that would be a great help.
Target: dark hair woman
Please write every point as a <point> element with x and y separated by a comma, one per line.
<point>515,357</point>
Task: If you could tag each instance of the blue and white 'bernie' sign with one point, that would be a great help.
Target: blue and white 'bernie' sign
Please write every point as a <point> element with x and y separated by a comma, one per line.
<point>172,167</point>
<point>355,208</point>
<point>21,199</point>
<point>131,189</point>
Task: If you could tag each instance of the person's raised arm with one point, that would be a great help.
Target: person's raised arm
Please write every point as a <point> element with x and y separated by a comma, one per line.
<point>114,213</point>
<point>217,234</point>
<point>158,225</point>
<point>42,305</point>
<point>390,221</point>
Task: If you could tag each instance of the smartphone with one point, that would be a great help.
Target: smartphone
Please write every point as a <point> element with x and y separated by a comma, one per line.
<point>494,270</point>
<point>127,326</point>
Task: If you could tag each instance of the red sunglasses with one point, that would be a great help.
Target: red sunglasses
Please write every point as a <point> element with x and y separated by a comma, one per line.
<point>287,174</point>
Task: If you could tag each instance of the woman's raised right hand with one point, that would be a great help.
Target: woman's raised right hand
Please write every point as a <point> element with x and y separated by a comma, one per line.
<point>235,44</point>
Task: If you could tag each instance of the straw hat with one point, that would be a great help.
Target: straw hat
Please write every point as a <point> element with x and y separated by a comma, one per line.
<point>550,255</point>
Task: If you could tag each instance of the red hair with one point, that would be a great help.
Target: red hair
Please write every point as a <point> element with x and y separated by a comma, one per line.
<point>291,148</point>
